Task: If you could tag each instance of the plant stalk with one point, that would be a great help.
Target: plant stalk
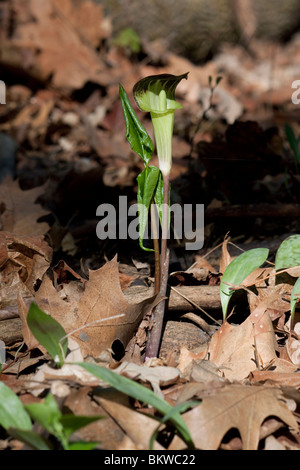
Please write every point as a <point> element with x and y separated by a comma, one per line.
<point>154,340</point>
<point>156,249</point>
<point>165,217</point>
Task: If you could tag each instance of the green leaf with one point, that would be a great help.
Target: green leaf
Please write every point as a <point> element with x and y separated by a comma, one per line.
<point>47,414</point>
<point>159,198</point>
<point>128,38</point>
<point>156,93</point>
<point>237,271</point>
<point>12,411</point>
<point>294,299</point>
<point>139,392</point>
<point>288,254</point>
<point>218,80</point>
<point>82,445</point>
<point>48,332</point>
<point>295,296</point>
<point>294,143</point>
<point>136,134</point>
<point>72,423</point>
<point>31,439</point>
<point>147,183</point>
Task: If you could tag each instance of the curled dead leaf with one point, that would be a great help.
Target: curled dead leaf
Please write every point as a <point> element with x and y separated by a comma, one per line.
<point>138,427</point>
<point>293,349</point>
<point>225,258</point>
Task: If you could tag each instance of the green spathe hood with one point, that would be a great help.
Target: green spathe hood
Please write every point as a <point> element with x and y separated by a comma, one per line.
<point>156,93</point>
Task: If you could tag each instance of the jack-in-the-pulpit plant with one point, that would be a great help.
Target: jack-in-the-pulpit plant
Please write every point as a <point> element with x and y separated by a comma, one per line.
<point>154,94</point>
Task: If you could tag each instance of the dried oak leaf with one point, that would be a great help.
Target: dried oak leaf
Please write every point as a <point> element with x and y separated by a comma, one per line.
<point>47,41</point>
<point>19,212</point>
<point>87,18</point>
<point>138,426</point>
<point>284,378</point>
<point>105,431</point>
<point>241,349</point>
<point>94,312</point>
<point>24,260</point>
<point>235,406</point>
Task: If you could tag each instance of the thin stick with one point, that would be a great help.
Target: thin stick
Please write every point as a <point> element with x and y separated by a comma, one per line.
<point>195,305</point>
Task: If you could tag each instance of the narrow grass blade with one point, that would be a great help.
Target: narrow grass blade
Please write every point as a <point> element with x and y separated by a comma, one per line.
<point>48,332</point>
<point>139,392</point>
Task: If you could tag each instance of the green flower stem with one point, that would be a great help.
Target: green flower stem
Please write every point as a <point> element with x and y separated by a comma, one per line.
<point>165,217</point>
<point>154,340</point>
<point>155,232</point>
<point>163,125</point>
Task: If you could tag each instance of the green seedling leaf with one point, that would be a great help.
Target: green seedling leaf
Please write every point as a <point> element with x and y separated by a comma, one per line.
<point>293,141</point>
<point>48,332</point>
<point>12,411</point>
<point>128,38</point>
<point>47,414</point>
<point>294,299</point>
<point>82,445</point>
<point>288,254</point>
<point>136,134</point>
<point>31,439</point>
<point>72,423</point>
<point>218,80</point>
<point>237,271</point>
<point>295,296</point>
<point>147,183</point>
<point>139,392</point>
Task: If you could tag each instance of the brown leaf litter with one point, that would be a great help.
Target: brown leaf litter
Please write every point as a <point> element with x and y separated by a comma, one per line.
<point>94,312</point>
<point>33,41</point>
